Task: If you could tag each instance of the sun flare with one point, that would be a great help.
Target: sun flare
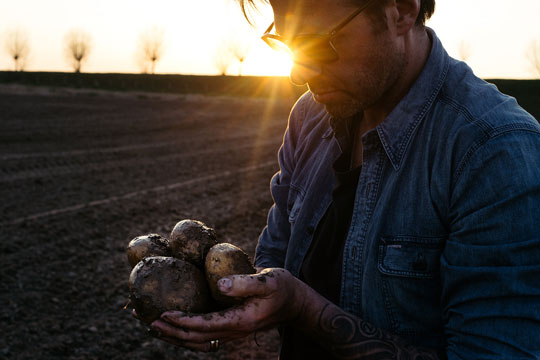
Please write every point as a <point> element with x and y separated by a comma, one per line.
<point>272,63</point>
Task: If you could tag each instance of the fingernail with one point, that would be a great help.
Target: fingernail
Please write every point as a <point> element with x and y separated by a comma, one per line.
<point>224,284</point>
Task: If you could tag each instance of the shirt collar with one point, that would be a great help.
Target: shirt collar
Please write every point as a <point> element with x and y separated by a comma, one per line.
<point>397,130</point>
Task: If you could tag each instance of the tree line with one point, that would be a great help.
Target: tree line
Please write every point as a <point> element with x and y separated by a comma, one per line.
<point>151,47</point>
<point>78,45</point>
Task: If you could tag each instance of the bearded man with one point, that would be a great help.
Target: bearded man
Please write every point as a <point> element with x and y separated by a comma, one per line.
<point>406,208</point>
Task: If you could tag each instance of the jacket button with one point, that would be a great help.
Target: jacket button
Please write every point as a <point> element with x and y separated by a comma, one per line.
<point>419,263</point>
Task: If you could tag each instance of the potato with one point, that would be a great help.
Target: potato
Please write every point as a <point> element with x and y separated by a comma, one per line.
<point>159,283</point>
<point>145,246</point>
<point>222,260</point>
<point>190,240</point>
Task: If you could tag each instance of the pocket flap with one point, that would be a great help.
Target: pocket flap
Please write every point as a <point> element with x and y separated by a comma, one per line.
<point>410,256</point>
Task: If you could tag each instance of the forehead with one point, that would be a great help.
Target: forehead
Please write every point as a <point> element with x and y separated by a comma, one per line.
<point>295,16</point>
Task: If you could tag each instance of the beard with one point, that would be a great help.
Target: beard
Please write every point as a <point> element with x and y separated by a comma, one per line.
<point>341,108</point>
<point>368,85</point>
<point>346,109</point>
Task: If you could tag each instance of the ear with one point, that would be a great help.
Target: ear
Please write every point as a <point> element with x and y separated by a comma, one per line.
<point>407,13</point>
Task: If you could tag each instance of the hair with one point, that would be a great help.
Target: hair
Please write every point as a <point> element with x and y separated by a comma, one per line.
<point>427,8</point>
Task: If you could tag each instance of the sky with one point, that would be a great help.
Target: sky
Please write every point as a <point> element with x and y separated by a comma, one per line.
<point>497,32</point>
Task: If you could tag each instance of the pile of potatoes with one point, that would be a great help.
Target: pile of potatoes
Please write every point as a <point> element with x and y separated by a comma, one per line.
<point>181,273</point>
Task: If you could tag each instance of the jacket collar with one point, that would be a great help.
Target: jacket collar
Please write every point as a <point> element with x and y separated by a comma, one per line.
<point>398,129</point>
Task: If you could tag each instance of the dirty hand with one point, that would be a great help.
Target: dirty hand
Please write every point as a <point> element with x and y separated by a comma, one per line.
<point>273,296</point>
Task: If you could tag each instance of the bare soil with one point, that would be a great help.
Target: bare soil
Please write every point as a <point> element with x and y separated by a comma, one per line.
<point>84,172</point>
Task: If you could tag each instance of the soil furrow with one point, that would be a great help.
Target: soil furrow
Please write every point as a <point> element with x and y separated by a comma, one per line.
<point>80,167</point>
<point>108,200</point>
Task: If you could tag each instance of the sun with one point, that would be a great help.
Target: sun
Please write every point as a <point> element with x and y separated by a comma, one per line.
<point>262,60</point>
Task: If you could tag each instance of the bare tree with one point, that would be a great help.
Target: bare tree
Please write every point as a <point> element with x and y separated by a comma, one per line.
<point>223,58</point>
<point>150,48</point>
<point>464,50</point>
<point>78,44</point>
<point>533,55</point>
<point>18,47</point>
<point>239,49</point>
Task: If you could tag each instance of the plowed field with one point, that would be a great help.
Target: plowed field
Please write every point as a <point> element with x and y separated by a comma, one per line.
<point>83,172</point>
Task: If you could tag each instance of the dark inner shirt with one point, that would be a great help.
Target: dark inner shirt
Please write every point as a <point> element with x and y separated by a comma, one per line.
<point>321,268</point>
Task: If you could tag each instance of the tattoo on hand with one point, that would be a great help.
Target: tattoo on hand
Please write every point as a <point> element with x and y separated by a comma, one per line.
<point>353,338</point>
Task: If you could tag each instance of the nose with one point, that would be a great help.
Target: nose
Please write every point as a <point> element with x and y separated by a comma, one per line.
<point>303,72</point>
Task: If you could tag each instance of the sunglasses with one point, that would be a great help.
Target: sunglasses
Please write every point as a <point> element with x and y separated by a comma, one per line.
<point>318,48</point>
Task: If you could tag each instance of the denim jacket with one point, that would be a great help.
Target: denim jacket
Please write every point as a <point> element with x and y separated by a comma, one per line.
<point>444,243</point>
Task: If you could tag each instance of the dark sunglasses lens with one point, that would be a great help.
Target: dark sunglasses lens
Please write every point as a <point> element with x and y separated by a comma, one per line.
<point>316,48</point>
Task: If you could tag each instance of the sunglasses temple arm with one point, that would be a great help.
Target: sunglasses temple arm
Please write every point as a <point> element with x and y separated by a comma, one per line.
<point>348,19</point>
<point>269,28</point>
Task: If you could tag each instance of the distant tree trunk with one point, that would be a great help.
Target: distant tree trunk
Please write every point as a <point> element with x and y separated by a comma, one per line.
<point>222,63</point>
<point>223,58</point>
<point>77,48</point>
<point>150,49</point>
<point>239,49</point>
<point>18,48</point>
<point>240,63</point>
<point>533,55</point>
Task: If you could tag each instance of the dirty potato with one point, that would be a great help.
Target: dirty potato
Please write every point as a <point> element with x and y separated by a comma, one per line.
<point>222,260</point>
<point>159,283</point>
<point>145,246</point>
<point>190,240</point>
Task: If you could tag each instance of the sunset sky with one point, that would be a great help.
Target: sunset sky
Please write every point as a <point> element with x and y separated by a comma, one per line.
<point>498,33</point>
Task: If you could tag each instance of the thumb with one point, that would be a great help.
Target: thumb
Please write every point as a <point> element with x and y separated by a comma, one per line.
<point>245,285</point>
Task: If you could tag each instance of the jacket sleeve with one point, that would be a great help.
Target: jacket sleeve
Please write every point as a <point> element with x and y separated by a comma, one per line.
<point>490,267</point>
<point>273,241</point>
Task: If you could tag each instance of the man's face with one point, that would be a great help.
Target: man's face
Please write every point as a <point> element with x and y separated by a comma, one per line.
<point>370,57</point>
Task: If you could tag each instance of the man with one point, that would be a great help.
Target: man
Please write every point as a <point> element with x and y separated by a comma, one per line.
<point>406,206</point>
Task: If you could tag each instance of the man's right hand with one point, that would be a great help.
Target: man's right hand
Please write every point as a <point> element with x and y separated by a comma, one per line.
<point>273,296</point>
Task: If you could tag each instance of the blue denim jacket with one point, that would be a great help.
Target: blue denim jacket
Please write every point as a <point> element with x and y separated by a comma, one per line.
<point>444,243</point>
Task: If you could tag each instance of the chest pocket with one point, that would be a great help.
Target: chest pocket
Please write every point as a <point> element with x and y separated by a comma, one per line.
<point>409,273</point>
<point>410,256</point>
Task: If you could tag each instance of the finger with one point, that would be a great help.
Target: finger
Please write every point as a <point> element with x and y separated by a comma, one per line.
<point>167,330</point>
<point>260,284</point>
<point>238,319</point>
<point>170,331</point>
